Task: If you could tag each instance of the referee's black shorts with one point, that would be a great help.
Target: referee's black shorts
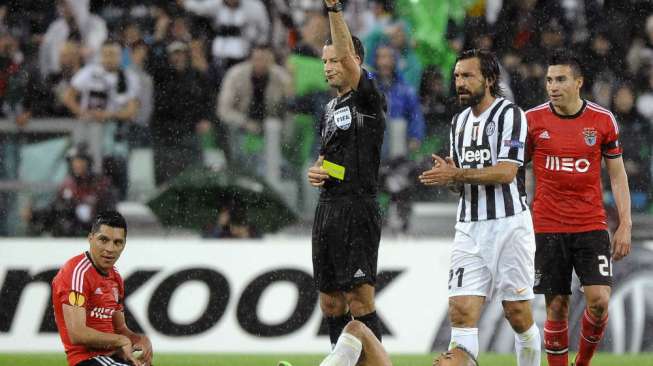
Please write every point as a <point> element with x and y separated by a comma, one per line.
<point>346,234</point>
<point>558,254</point>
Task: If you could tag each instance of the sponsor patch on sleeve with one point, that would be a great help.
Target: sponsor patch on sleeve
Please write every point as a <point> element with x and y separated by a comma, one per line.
<point>76,299</point>
<point>513,143</point>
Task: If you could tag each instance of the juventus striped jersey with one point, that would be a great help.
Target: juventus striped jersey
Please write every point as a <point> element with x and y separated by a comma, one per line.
<point>498,134</point>
<point>80,283</point>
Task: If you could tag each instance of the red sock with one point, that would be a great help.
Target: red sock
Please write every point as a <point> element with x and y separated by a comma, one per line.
<point>590,335</point>
<point>556,342</point>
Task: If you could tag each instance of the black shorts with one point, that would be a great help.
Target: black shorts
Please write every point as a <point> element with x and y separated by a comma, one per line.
<point>346,236</point>
<point>104,361</point>
<point>588,253</point>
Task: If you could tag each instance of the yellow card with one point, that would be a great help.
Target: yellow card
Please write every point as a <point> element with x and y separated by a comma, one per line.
<point>334,170</point>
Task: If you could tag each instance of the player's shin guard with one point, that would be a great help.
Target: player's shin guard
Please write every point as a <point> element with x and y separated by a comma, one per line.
<point>527,346</point>
<point>467,337</point>
<point>372,322</point>
<point>346,352</point>
<point>556,342</point>
<point>336,324</point>
<point>591,332</point>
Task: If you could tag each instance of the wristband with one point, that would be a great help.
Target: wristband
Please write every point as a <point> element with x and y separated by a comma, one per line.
<point>336,8</point>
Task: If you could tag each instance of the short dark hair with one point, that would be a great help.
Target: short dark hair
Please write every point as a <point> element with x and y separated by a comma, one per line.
<point>564,57</point>
<point>358,46</point>
<point>489,67</point>
<point>109,218</point>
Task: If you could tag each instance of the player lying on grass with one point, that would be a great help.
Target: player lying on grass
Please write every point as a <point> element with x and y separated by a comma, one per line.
<point>357,345</point>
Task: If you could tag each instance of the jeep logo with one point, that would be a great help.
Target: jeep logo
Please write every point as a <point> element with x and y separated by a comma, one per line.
<point>474,156</point>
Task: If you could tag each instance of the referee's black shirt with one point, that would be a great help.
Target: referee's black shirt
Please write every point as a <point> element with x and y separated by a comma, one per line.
<point>352,134</point>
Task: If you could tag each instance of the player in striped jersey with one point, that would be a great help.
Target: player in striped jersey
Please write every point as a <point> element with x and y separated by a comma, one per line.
<point>494,244</point>
<point>88,295</point>
<point>568,138</point>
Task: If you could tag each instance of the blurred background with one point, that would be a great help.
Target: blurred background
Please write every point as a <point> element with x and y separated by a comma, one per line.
<point>125,104</point>
<point>198,119</point>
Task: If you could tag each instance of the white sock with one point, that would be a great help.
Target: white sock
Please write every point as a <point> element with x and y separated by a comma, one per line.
<point>528,347</point>
<point>345,353</point>
<point>466,337</point>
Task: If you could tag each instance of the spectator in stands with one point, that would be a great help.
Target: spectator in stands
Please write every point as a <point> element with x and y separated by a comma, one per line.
<point>105,93</point>
<point>138,57</point>
<point>403,103</point>
<point>19,86</point>
<point>645,98</point>
<point>231,223</point>
<point>314,32</point>
<point>437,108</point>
<point>519,22</point>
<point>636,137</point>
<point>131,36</point>
<point>57,83</point>
<point>182,107</point>
<point>238,24</point>
<point>640,55</point>
<point>397,35</point>
<point>75,22</point>
<point>251,92</point>
<point>168,29</point>
<point>382,14</point>
<point>601,60</point>
<point>81,196</point>
<point>408,64</point>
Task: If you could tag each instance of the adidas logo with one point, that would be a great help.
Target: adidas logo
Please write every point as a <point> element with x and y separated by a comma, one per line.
<point>98,291</point>
<point>545,135</point>
<point>359,274</point>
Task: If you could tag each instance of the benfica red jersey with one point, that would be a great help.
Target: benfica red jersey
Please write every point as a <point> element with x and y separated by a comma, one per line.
<point>566,152</point>
<point>79,283</point>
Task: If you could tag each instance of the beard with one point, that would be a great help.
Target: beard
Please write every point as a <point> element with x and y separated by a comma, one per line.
<point>472,98</point>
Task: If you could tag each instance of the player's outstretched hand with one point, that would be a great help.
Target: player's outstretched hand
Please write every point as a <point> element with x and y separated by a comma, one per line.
<point>621,242</point>
<point>317,175</point>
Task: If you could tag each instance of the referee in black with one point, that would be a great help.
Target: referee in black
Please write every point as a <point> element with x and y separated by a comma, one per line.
<point>347,226</point>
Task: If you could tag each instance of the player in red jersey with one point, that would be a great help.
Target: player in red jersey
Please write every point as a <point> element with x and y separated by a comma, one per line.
<point>567,139</point>
<point>88,295</point>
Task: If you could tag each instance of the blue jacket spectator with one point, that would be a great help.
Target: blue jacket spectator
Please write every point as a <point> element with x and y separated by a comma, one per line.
<point>397,36</point>
<point>403,102</point>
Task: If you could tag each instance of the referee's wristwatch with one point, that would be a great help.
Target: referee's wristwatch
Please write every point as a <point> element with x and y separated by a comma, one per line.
<point>336,8</point>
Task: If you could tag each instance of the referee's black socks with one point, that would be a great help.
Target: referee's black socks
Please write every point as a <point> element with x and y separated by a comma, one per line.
<point>336,324</point>
<point>372,322</point>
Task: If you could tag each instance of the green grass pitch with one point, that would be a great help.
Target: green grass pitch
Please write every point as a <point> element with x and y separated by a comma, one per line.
<point>49,359</point>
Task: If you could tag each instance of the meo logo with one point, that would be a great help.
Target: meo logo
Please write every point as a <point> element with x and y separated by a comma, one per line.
<point>557,163</point>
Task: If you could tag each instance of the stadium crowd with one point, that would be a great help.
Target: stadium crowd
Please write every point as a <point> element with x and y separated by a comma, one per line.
<point>187,76</point>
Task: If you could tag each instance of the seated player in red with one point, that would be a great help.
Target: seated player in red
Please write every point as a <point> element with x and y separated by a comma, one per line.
<point>88,295</point>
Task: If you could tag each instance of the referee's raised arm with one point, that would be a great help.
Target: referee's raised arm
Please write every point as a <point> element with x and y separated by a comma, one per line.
<point>343,44</point>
